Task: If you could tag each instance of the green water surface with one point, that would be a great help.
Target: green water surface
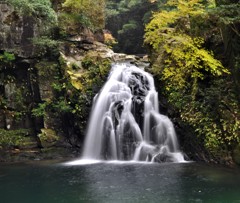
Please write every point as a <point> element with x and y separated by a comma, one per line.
<point>41,182</point>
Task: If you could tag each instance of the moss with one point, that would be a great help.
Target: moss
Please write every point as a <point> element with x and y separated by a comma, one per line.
<point>48,137</point>
<point>46,68</point>
<point>92,71</point>
<point>16,139</point>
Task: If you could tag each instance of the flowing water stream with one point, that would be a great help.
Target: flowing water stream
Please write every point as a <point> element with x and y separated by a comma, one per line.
<point>125,122</point>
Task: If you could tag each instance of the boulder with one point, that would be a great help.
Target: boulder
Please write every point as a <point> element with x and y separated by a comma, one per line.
<point>48,138</point>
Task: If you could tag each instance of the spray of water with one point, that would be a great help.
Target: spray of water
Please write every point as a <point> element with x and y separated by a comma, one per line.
<point>125,122</point>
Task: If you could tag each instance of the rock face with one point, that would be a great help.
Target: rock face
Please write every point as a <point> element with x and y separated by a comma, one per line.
<point>41,94</point>
<point>16,31</point>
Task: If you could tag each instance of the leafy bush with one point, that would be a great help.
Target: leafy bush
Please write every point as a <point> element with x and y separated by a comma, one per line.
<point>7,57</point>
<point>46,46</point>
<point>90,12</point>
<point>40,8</point>
<point>40,111</point>
<point>12,138</point>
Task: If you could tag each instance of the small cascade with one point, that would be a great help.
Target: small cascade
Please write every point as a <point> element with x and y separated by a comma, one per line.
<point>125,122</point>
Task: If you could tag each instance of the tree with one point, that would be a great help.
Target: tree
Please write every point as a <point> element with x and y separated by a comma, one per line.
<point>91,12</point>
<point>227,14</point>
<point>38,8</point>
<point>194,81</point>
<point>126,20</point>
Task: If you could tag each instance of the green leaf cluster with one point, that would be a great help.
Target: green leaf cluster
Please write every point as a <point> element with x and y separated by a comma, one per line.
<point>129,27</point>
<point>6,59</point>
<point>45,46</point>
<point>227,14</point>
<point>39,8</point>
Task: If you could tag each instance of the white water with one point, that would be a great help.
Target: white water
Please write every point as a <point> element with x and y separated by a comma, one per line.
<point>125,122</point>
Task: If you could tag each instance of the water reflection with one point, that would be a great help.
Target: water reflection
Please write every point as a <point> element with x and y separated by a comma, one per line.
<point>129,182</point>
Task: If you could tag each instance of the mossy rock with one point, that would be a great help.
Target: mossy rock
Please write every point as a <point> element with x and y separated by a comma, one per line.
<point>47,68</point>
<point>48,137</point>
<point>236,155</point>
<point>21,139</point>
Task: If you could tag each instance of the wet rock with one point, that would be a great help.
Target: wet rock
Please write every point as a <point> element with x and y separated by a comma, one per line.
<point>128,142</point>
<point>116,112</point>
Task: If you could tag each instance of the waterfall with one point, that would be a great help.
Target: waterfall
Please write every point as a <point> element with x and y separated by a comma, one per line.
<point>125,122</point>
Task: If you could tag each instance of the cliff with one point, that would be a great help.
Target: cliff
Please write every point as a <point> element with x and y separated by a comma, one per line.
<point>45,91</point>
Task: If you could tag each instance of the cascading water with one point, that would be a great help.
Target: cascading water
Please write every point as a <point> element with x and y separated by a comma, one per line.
<point>125,123</point>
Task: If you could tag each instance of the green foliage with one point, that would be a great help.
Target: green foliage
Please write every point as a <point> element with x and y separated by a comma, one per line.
<point>184,60</point>
<point>82,82</point>
<point>72,22</point>
<point>40,111</point>
<point>39,8</point>
<point>46,19</point>
<point>193,80</point>
<point>115,7</point>
<point>125,19</point>
<point>88,12</point>
<point>94,74</point>
<point>215,115</point>
<point>227,14</point>
<point>61,105</point>
<point>48,136</point>
<point>46,46</point>
<point>6,60</point>
<point>129,27</point>
<point>75,88</point>
<point>12,138</point>
<point>7,57</point>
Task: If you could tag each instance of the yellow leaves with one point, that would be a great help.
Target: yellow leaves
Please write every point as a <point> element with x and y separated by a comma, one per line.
<point>166,24</point>
<point>90,71</point>
<point>189,7</point>
<point>75,79</point>
<point>152,1</point>
<point>109,39</point>
<point>190,74</point>
<point>188,58</point>
<point>211,64</point>
<point>185,59</point>
<point>198,41</point>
